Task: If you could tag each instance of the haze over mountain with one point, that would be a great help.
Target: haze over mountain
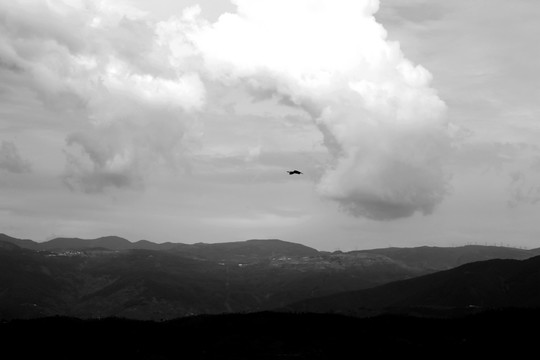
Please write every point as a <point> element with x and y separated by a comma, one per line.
<point>111,276</point>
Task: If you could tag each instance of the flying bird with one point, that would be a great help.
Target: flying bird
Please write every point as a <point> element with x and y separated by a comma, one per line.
<point>294,172</point>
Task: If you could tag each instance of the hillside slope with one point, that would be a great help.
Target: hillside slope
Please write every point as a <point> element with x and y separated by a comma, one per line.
<point>485,284</point>
<point>149,284</point>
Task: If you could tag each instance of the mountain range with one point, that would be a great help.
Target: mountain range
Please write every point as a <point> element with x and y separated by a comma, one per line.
<point>111,276</point>
<point>490,284</point>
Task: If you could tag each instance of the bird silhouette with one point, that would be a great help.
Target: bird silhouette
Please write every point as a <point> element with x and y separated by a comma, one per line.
<point>293,172</point>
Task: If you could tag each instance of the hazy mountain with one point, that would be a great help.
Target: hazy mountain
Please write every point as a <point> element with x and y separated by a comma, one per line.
<point>424,259</point>
<point>24,243</point>
<point>149,284</point>
<point>107,242</point>
<point>111,276</point>
<point>442,258</point>
<point>247,249</point>
<point>485,284</point>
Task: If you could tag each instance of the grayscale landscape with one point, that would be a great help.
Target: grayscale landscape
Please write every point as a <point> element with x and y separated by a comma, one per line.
<point>269,179</point>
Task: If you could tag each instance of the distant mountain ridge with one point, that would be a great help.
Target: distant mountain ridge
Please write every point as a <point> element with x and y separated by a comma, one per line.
<point>254,247</point>
<point>107,242</point>
<point>423,256</point>
<point>420,260</point>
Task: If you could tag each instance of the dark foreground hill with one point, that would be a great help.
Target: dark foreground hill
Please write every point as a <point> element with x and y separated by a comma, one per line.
<point>480,285</point>
<point>276,336</point>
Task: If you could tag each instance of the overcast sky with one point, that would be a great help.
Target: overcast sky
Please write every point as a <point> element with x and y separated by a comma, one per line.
<point>414,122</point>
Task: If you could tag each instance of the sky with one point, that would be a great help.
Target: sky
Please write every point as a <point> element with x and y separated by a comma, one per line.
<point>414,122</point>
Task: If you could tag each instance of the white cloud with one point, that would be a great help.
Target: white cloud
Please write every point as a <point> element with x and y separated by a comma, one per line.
<point>380,119</point>
<point>102,62</point>
<point>142,86</point>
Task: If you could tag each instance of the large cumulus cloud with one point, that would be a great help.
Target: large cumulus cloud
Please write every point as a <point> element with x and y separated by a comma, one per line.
<point>104,64</point>
<point>381,120</point>
<point>382,123</point>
